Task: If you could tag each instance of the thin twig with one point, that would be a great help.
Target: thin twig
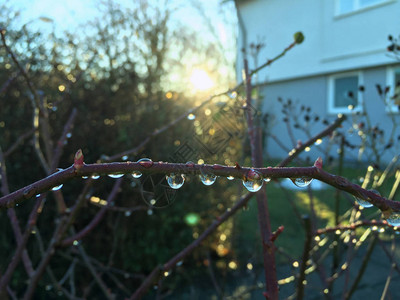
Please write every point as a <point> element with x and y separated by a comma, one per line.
<point>154,275</point>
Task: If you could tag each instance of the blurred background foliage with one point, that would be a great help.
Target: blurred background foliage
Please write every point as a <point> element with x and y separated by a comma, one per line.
<point>126,73</point>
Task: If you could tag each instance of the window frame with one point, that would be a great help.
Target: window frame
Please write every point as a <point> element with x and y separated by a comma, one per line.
<point>331,93</point>
<point>390,82</point>
<point>357,7</point>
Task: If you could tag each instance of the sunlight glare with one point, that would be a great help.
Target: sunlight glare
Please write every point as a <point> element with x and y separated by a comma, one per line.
<point>201,80</point>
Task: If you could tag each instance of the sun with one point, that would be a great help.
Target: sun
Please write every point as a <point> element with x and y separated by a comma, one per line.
<point>200,80</point>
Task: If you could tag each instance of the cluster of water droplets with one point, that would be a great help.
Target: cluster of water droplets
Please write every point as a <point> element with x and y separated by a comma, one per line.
<point>175,181</point>
<point>254,182</point>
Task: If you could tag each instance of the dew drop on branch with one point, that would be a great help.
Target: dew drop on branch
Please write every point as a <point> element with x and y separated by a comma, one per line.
<point>115,175</point>
<point>363,203</point>
<point>230,177</point>
<point>253,183</point>
<point>136,174</point>
<point>394,219</point>
<point>175,181</point>
<point>58,187</point>
<point>95,176</point>
<point>207,178</point>
<point>302,182</point>
<point>145,162</point>
<point>191,117</point>
<point>267,179</point>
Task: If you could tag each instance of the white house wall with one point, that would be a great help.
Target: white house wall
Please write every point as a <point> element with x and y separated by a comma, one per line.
<point>311,92</point>
<point>332,43</point>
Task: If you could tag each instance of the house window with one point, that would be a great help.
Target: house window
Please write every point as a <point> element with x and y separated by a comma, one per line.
<point>343,93</point>
<point>348,6</point>
<point>393,95</point>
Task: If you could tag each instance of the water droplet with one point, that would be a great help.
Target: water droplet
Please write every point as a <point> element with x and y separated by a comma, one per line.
<point>115,175</point>
<point>69,135</point>
<point>127,213</point>
<point>190,164</point>
<point>254,181</point>
<point>230,177</point>
<point>179,263</point>
<point>145,162</point>
<point>394,219</point>
<point>95,176</point>
<point>125,157</point>
<point>363,203</point>
<point>207,178</point>
<point>175,181</point>
<point>136,174</point>
<point>302,182</point>
<point>149,212</point>
<point>75,243</point>
<point>38,195</point>
<point>267,179</point>
<point>191,117</point>
<point>85,177</point>
<point>58,187</point>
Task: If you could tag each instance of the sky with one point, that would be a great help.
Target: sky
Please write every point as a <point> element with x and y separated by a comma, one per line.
<point>67,15</point>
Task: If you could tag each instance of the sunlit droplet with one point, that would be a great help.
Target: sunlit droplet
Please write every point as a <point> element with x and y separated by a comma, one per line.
<point>191,117</point>
<point>85,177</point>
<point>145,162</point>
<point>175,181</point>
<point>95,176</point>
<point>253,185</point>
<point>38,195</point>
<point>127,213</point>
<point>267,179</point>
<point>125,157</point>
<point>136,174</point>
<point>230,177</point>
<point>69,135</point>
<point>394,219</point>
<point>115,175</point>
<point>58,187</point>
<point>302,182</point>
<point>207,178</point>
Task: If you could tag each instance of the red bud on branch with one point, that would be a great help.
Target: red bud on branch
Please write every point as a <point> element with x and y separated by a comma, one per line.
<point>78,160</point>
<point>318,163</point>
<point>275,235</point>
